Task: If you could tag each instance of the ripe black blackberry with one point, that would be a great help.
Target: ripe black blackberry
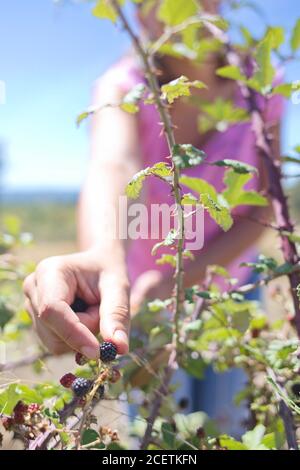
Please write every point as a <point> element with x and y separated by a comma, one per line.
<point>296,389</point>
<point>81,386</point>
<point>108,351</point>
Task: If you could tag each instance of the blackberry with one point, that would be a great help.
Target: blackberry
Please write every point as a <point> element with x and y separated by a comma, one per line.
<point>67,380</point>
<point>108,351</point>
<point>296,389</point>
<point>80,359</point>
<point>79,305</point>
<point>81,386</point>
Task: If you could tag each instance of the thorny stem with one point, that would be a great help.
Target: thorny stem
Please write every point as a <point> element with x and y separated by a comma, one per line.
<point>89,404</point>
<point>278,198</point>
<point>279,203</point>
<point>264,147</point>
<point>179,285</point>
<point>285,414</point>
<point>160,395</point>
<point>168,130</point>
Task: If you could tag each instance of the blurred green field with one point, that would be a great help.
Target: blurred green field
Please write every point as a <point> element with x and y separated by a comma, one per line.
<point>52,222</point>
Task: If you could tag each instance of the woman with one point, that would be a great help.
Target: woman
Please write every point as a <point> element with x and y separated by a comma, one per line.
<point>121,144</point>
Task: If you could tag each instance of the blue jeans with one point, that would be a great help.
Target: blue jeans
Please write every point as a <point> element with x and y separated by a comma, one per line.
<point>215,393</point>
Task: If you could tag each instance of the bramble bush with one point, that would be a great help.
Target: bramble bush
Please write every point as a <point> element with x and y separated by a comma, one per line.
<point>197,327</point>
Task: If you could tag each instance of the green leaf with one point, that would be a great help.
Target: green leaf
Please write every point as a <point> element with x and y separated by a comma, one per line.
<point>219,213</point>
<point>265,74</point>
<point>284,89</point>
<point>193,326</point>
<point>188,425</point>
<point>189,199</point>
<point>295,39</point>
<point>279,351</point>
<point>249,40</point>
<point>104,10</point>
<point>82,117</point>
<point>187,156</point>
<point>237,166</point>
<point>277,35</point>
<point>208,295</point>
<point>236,195</point>
<point>132,98</point>
<point>200,186</point>
<point>241,320</point>
<point>8,399</point>
<point>231,444</point>
<point>167,259</point>
<point>135,186</point>
<point>6,313</point>
<point>89,436</point>
<point>214,335</point>
<point>253,439</point>
<point>264,264</point>
<point>29,395</point>
<point>168,435</point>
<point>194,367</point>
<point>179,87</point>
<point>231,71</point>
<point>173,13</point>
<point>220,114</point>
<point>168,241</point>
<point>297,149</point>
<point>157,305</point>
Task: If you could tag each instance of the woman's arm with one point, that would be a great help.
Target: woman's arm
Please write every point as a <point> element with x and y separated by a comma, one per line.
<point>115,158</point>
<point>98,273</point>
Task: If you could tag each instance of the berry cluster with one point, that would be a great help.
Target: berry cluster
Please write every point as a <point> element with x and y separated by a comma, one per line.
<point>81,386</point>
<point>28,420</point>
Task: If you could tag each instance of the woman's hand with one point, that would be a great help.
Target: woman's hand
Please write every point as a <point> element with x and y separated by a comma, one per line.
<point>103,285</point>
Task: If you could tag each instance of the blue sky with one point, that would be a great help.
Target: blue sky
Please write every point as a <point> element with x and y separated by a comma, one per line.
<point>49,57</point>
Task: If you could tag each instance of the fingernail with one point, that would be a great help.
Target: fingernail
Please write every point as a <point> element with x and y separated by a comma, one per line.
<point>90,353</point>
<point>121,336</point>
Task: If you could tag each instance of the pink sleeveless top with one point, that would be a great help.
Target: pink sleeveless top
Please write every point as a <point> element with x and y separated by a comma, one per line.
<point>237,142</point>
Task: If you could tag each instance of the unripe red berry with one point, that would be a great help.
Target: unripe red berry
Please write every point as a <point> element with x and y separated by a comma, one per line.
<point>67,380</point>
<point>33,408</point>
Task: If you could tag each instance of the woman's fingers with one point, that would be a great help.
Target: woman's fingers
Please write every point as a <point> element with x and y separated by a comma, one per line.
<point>90,318</point>
<point>54,287</point>
<point>114,310</point>
<point>52,342</point>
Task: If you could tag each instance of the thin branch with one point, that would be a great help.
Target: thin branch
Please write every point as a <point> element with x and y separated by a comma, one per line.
<point>285,412</point>
<point>169,133</point>
<point>27,361</point>
<point>179,273</point>
<point>264,148</point>
<point>157,402</point>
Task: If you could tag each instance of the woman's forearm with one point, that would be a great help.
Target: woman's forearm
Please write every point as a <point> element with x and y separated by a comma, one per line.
<point>115,158</point>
